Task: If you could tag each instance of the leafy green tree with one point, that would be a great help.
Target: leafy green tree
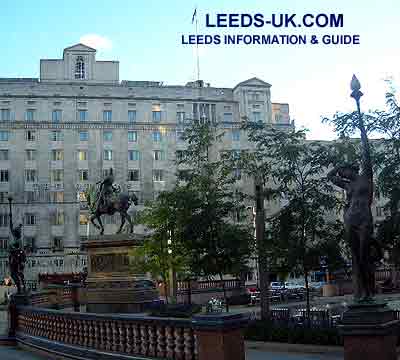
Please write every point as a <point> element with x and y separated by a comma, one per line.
<point>308,221</point>
<point>216,243</point>
<point>164,250</point>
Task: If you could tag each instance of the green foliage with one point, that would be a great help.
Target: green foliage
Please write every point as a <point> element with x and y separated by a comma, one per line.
<point>217,244</point>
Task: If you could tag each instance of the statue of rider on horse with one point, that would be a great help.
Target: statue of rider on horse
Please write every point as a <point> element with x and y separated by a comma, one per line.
<point>106,199</point>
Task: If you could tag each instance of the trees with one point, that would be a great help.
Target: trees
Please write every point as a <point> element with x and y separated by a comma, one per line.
<point>164,249</point>
<point>306,226</point>
<point>216,244</point>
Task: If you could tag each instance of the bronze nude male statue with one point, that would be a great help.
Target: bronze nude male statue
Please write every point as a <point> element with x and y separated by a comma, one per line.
<point>16,255</point>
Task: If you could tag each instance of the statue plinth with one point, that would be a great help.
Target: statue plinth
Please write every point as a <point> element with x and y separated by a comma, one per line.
<point>369,331</point>
<point>111,285</point>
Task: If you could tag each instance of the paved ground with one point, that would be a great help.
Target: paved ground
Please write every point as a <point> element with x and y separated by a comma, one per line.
<point>10,353</point>
<point>262,355</point>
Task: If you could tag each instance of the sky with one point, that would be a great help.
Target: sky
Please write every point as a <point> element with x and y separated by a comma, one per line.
<point>145,36</point>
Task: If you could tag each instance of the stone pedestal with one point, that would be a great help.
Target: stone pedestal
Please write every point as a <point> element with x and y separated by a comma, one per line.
<point>111,285</point>
<point>220,336</point>
<point>369,332</point>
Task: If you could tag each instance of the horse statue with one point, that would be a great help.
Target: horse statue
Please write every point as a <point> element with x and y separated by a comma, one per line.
<point>105,198</point>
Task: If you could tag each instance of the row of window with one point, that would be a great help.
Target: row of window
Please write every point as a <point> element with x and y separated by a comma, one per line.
<point>57,135</point>
<point>57,175</point>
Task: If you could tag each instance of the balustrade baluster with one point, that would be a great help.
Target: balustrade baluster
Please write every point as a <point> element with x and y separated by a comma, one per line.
<point>85,331</point>
<point>96,333</point>
<point>161,344</point>
<point>102,335</point>
<point>136,339</point>
<point>178,333</point>
<point>91,336</point>
<point>129,338</point>
<point>115,333</point>
<point>108,336</point>
<point>122,336</point>
<point>169,334</point>
<point>144,336</point>
<point>195,347</point>
<point>188,343</point>
<point>152,340</point>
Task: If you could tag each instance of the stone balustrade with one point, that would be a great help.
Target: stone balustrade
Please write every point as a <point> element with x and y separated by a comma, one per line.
<point>133,335</point>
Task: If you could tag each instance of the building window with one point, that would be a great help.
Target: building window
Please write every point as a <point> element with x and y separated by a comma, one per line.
<point>133,155</point>
<point>158,175</point>
<point>31,196</point>
<point>3,196</point>
<point>156,136</point>
<point>82,155</point>
<point>56,135</point>
<point>3,175</point>
<point>256,116</point>
<point>58,217</point>
<point>57,175</point>
<point>106,172</point>
<point>83,175</point>
<point>30,245</point>
<point>107,136</point>
<point>3,243</point>
<point>132,136</point>
<point>82,115</point>
<point>156,110</point>
<point>83,136</point>
<point>107,115</point>
<point>235,135</point>
<point>158,155</point>
<point>278,118</point>
<point>30,135</point>
<point>30,219</point>
<point>79,68</point>
<point>5,115</point>
<point>131,116</point>
<point>237,174</point>
<point>58,243</point>
<point>30,175</point>
<point>228,117</point>
<point>30,115</point>
<point>30,154</point>
<point>57,155</point>
<point>56,116</point>
<point>107,154</point>
<point>180,136</point>
<point>4,219</point>
<point>4,154</point>
<point>180,155</point>
<point>180,117</point>
<point>133,175</point>
<point>81,196</point>
<point>4,135</point>
<point>56,196</point>
<point>83,219</point>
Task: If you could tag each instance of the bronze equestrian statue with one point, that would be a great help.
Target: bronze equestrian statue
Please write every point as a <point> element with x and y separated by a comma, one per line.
<point>16,255</point>
<point>358,219</point>
<point>107,199</point>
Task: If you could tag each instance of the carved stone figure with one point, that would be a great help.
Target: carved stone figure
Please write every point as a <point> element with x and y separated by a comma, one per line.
<point>107,199</point>
<point>16,255</point>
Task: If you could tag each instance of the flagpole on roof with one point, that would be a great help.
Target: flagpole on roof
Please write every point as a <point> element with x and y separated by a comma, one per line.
<point>194,17</point>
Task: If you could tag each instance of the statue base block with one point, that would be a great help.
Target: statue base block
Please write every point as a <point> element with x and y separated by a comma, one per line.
<point>111,287</point>
<point>369,331</point>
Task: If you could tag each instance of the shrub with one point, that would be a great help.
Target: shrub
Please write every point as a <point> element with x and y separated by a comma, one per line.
<point>267,331</point>
<point>176,310</point>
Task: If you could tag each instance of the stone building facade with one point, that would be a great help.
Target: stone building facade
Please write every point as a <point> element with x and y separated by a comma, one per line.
<point>64,130</point>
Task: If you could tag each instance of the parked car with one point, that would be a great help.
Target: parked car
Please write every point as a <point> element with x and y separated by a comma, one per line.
<point>276,285</point>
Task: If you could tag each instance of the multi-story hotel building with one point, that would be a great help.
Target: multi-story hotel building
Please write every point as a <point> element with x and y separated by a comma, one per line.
<point>65,129</point>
